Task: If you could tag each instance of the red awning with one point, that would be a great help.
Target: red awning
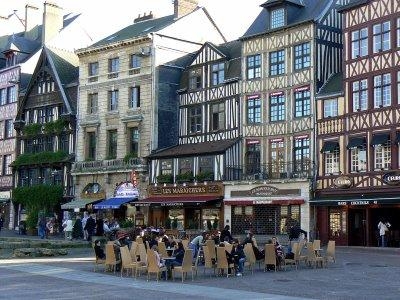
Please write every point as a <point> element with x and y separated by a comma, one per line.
<point>280,201</point>
<point>175,201</point>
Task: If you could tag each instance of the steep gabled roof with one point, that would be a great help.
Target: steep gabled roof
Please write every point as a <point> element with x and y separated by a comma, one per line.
<point>277,2</point>
<point>352,4</point>
<point>333,86</point>
<point>310,10</point>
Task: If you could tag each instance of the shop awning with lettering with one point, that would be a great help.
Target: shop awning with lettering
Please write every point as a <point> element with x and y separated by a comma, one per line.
<point>113,203</point>
<point>175,201</point>
<point>280,201</point>
<point>79,203</point>
<point>355,202</point>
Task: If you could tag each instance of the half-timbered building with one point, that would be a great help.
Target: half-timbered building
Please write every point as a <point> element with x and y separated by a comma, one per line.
<point>124,113</point>
<point>288,53</point>
<point>358,144</point>
<point>186,180</point>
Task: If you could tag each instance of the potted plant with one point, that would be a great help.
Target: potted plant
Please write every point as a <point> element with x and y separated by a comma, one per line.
<point>184,177</point>
<point>205,176</point>
<point>164,178</point>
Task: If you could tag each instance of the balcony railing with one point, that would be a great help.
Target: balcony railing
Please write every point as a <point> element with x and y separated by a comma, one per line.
<point>109,165</point>
<point>281,170</point>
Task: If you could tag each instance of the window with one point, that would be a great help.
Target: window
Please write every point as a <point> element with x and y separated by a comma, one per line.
<point>302,56</point>
<point>277,158</point>
<point>195,79</point>
<point>11,59</point>
<point>359,43</point>
<point>253,66</point>
<point>277,63</point>
<point>195,119</point>
<point>218,116</point>
<point>332,161</point>
<point>254,110</point>
<point>134,97</point>
<point>64,143</point>
<point>3,96</point>
<point>113,100</point>
<point>133,140</point>
<point>277,18</point>
<point>135,61</point>
<point>382,90</point>
<point>112,144</point>
<point>166,166</point>
<point>337,222</point>
<point>302,103</point>
<point>93,103</point>
<point>93,71</point>
<point>358,158</point>
<point>91,146</point>
<point>217,73</point>
<point>398,32</point>
<point>253,157</point>
<point>206,164</point>
<point>7,160</point>
<point>277,107</point>
<point>301,151</point>
<point>113,67</point>
<point>185,165</point>
<point>382,156</point>
<point>360,95</point>
<point>11,94</point>
<point>42,115</point>
<point>330,108</point>
<point>8,129</point>
<point>381,37</point>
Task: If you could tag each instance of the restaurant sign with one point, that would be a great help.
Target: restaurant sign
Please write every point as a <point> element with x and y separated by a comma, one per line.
<point>126,189</point>
<point>392,178</point>
<point>343,182</point>
<point>263,191</point>
<point>357,202</point>
<point>209,189</point>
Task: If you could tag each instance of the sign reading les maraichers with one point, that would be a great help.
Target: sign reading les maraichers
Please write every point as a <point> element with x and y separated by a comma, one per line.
<point>210,189</point>
<point>392,178</point>
<point>343,182</point>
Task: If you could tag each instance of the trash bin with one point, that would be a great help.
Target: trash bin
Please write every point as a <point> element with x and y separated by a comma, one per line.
<point>22,228</point>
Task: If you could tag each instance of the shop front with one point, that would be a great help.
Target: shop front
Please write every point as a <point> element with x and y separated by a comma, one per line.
<point>266,209</point>
<point>183,207</point>
<point>91,194</point>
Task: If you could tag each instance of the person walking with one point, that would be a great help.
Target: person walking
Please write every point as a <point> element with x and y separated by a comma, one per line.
<point>383,227</point>
<point>42,227</point>
<point>90,226</point>
<point>68,226</point>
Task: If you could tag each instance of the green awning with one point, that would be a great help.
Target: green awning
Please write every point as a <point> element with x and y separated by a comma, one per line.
<point>79,203</point>
<point>380,139</point>
<point>356,142</point>
<point>329,146</point>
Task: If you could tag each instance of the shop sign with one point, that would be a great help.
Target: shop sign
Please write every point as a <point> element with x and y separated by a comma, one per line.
<point>392,178</point>
<point>358,202</point>
<point>262,191</point>
<point>211,189</point>
<point>126,189</point>
<point>172,204</point>
<point>343,182</point>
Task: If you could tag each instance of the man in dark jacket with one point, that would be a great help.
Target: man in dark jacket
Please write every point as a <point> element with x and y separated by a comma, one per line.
<point>90,227</point>
<point>238,256</point>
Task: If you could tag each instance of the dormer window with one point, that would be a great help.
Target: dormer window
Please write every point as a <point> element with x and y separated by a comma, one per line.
<point>195,77</point>
<point>277,18</point>
<point>11,59</point>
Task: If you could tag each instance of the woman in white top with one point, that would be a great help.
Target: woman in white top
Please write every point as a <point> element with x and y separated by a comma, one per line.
<point>383,231</point>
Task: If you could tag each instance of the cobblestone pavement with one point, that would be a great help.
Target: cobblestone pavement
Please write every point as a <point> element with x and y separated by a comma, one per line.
<point>359,273</point>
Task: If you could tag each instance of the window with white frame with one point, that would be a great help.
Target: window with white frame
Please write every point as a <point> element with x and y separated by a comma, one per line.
<point>277,63</point>
<point>332,162</point>
<point>195,119</point>
<point>217,73</point>
<point>11,94</point>
<point>195,78</point>
<point>8,129</point>
<point>253,109</point>
<point>360,95</point>
<point>359,43</point>
<point>253,66</point>
<point>166,166</point>
<point>133,140</point>
<point>7,160</point>
<point>113,100</point>
<point>218,116</point>
<point>302,155</point>
<point>135,61</point>
<point>92,107</point>
<point>382,156</point>
<point>185,165</point>
<point>358,154</point>
<point>277,157</point>
<point>330,108</point>
<point>3,96</point>
<point>277,18</point>
<point>113,67</point>
<point>252,157</point>
<point>302,56</point>
<point>381,37</point>
<point>382,90</point>
<point>206,164</point>
<point>277,107</point>
<point>93,71</point>
<point>134,97</point>
<point>302,102</point>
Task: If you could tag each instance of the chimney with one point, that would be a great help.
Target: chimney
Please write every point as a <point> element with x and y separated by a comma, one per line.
<point>144,17</point>
<point>184,7</point>
<point>52,21</point>
<point>32,19</point>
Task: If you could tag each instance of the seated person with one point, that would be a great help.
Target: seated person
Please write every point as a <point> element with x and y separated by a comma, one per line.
<point>225,235</point>
<point>160,262</point>
<point>179,253</point>
<point>280,254</point>
<point>98,250</point>
<point>238,256</point>
<point>259,254</point>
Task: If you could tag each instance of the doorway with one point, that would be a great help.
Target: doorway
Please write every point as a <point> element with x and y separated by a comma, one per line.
<point>357,227</point>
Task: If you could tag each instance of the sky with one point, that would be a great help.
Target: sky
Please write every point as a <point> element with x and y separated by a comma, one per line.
<point>233,17</point>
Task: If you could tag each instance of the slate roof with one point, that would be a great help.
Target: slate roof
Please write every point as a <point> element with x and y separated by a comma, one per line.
<point>333,86</point>
<point>311,11</point>
<point>204,148</point>
<point>136,30</point>
<point>352,4</point>
<point>66,64</point>
<point>275,2</point>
